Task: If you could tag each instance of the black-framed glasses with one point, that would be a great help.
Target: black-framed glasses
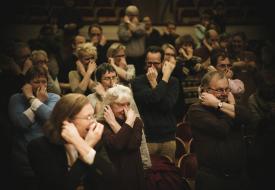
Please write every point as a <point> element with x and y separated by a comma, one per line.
<point>220,91</point>
<point>224,66</point>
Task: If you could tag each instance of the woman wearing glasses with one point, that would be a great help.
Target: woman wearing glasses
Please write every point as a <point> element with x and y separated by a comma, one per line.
<point>70,156</point>
<point>122,137</point>
<point>80,79</point>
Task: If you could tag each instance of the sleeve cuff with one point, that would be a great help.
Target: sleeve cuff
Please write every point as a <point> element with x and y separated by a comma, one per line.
<point>36,104</point>
<point>29,113</point>
<point>90,157</point>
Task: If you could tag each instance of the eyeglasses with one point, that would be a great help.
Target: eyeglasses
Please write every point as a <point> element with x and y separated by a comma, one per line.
<point>118,56</point>
<point>220,91</point>
<point>88,58</point>
<point>224,66</point>
<point>39,81</point>
<point>152,63</point>
<point>110,78</point>
<point>89,117</point>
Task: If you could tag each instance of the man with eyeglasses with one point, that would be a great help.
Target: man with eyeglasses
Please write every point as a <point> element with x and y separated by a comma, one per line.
<point>220,61</point>
<point>156,94</point>
<point>217,123</point>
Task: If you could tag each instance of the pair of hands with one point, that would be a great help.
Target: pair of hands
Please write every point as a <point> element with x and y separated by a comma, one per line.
<point>90,69</point>
<point>121,63</point>
<point>109,116</point>
<point>186,52</point>
<point>71,134</point>
<point>41,92</point>
<point>210,100</point>
<point>101,40</point>
<point>167,69</point>
<point>210,46</point>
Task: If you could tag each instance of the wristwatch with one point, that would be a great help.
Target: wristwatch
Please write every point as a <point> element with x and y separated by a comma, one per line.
<point>220,104</point>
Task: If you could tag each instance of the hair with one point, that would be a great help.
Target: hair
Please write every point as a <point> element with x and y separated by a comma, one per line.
<point>215,54</point>
<point>132,10</point>
<point>186,39</point>
<point>102,69</point>
<point>65,109</point>
<point>36,71</point>
<point>36,53</point>
<point>206,79</point>
<point>86,48</point>
<point>155,49</point>
<point>117,93</point>
<point>170,46</point>
<point>114,49</point>
<point>94,26</point>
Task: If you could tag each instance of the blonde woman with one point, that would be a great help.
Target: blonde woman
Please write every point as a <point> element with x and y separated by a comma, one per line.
<point>80,79</point>
<point>117,58</point>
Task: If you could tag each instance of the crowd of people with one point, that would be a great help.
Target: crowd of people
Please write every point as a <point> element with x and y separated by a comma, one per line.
<point>90,113</point>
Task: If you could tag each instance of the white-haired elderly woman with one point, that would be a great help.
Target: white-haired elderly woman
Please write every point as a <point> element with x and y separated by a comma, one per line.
<point>117,58</point>
<point>40,57</point>
<point>122,137</point>
<point>80,79</point>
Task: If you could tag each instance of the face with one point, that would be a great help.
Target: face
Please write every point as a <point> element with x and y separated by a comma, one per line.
<point>154,60</point>
<point>237,43</point>
<point>84,119</point>
<point>41,60</point>
<point>118,108</point>
<point>86,59</point>
<point>22,55</point>
<point>147,22</point>
<point>169,53</point>
<point>223,64</point>
<point>219,88</point>
<point>38,82</point>
<point>108,80</point>
<point>213,37</point>
<point>119,56</point>
<point>95,35</point>
<point>171,28</point>
<point>78,40</point>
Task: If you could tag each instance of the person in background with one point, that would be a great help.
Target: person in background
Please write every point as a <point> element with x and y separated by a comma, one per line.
<point>220,61</point>
<point>152,34</point>
<point>131,33</point>
<point>122,137</point>
<point>40,57</point>
<point>69,63</point>
<point>169,33</point>
<point>95,33</point>
<point>117,58</point>
<point>80,79</point>
<point>70,155</point>
<point>28,112</point>
<point>156,94</point>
